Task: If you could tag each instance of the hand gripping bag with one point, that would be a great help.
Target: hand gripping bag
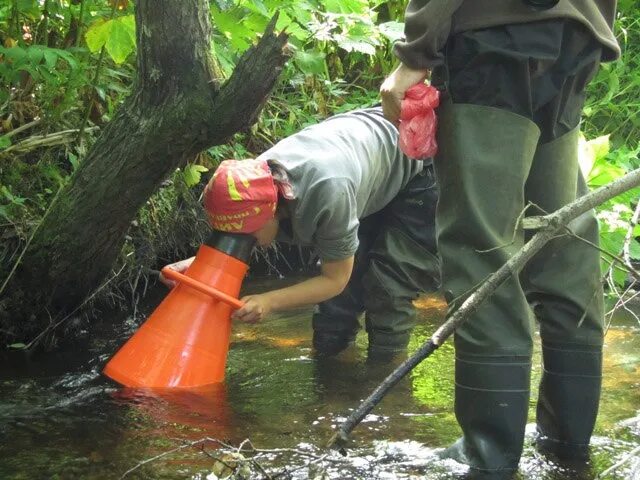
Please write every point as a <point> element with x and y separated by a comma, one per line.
<point>418,122</point>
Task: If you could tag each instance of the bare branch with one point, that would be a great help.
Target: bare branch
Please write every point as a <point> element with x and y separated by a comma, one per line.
<point>626,249</point>
<point>48,140</point>
<point>557,221</point>
<point>632,454</point>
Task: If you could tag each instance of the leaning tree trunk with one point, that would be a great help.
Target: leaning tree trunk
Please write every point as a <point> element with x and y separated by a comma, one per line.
<point>176,110</point>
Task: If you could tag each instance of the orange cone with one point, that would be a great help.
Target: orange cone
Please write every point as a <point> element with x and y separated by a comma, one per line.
<point>184,342</point>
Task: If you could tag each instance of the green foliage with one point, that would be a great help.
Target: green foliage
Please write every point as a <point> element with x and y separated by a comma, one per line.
<point>611,109</point>
<point>42,63</point>
<point>602,166</point>
<point>319,32</point>
<point>118,36</point>
<point>613,96</point>
<point>193,173</point>
<point>50,52</point>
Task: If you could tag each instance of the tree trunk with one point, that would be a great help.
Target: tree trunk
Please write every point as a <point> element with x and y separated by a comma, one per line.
<point>176,110</point>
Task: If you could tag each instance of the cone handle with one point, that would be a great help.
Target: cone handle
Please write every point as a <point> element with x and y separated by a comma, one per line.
<point>201,287</point>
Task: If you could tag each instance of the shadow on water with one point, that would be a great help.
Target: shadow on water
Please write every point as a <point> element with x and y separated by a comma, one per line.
<point>60,419</point>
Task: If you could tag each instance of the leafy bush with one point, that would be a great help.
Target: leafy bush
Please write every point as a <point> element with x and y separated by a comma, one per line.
<point>70,64</point>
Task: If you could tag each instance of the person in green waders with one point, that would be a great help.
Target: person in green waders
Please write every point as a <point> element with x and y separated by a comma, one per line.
<point>513,75</point>
<point>345,188</point>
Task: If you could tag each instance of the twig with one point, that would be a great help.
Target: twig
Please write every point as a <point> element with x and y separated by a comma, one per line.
<point>614,467</point>
<point>152,459</point>
<point>535,223</point>
<point>245,447</point>
<point>253,449</point>
<point>622,303</point>
<point>519,220</point>
<point>262,470</point>
<point>24,250</point>
<point>295,469</point>
<point>557,221</point>
<point>38,141</point>
<point>626,249</point>
<point>217,459</point>
<point>608,278</point>
<point>22,128</point>
<point>87,300</point>
<point>616,258</point>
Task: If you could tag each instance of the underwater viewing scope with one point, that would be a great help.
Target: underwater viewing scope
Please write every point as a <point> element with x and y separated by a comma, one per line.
<point>184,342</point>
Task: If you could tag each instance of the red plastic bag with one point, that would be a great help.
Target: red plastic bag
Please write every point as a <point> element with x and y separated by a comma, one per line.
<point>418,122</point>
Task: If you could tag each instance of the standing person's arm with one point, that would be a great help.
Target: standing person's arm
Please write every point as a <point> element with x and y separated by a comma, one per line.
<point>427,28</point>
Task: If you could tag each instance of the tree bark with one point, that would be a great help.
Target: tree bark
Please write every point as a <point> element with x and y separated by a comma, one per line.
<point>176,110</point>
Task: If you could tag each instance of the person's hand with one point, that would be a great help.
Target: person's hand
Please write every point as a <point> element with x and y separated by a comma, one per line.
<point>179,267</point>
<point>394,87</point>
<point>256,308</point>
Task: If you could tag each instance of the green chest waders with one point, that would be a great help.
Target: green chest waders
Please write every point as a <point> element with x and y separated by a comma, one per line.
<point>396,260</point>
<point>563,283</point>
<point>492,163</point>
<point>487,177</point>
<point>485,157</point>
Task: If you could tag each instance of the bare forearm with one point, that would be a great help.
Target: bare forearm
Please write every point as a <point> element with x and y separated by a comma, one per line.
<point>308,292</point>
<point>332,280</point>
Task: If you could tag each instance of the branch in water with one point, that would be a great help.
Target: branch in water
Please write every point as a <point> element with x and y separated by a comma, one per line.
<point>553,223</point>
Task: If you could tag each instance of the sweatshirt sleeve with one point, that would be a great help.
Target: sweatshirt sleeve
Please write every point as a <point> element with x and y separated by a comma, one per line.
<point>327,218</point>
<point>427,27</point>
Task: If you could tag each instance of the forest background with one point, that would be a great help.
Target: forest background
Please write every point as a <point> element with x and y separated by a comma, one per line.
<point>67,65</point>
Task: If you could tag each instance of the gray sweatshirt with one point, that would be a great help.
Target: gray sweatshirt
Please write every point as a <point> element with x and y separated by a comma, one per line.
<point>341,170</point>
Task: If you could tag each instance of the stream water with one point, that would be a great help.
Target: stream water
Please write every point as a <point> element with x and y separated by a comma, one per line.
<point>61,419</point>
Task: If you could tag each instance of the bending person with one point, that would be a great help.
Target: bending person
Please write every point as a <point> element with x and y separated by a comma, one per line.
<point>343,187</point>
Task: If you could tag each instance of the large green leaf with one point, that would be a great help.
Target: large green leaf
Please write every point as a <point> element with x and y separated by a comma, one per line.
<point>193,173</point>
<point>603,172</point>
<point>347,6</point>
<point>592,151</point>
<point>393,31</point>
<point>357,45</point>
<point>310,62</point>
<point>235,30</point>
<point>634,249</point>
<point>118,36</point>
<point>30,8</point>
<point>291,26</point>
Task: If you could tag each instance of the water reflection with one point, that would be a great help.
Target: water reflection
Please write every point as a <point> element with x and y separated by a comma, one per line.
<point>64,419</point>
<point>196,412</point>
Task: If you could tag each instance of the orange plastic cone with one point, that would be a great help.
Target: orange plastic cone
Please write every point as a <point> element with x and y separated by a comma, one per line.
<point>184,342</point>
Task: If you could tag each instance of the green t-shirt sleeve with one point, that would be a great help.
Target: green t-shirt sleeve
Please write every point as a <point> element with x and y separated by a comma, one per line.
<point>327,218</point>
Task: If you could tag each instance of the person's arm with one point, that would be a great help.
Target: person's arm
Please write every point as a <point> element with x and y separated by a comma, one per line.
<point>427,26</point>
<point>332,280</point>
<point>394,87</point>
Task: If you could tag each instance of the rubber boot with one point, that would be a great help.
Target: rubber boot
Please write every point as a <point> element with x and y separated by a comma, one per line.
<point>563,282</point>
<point>484,160</point>
<point>335,325</point>
<point>491,404</point>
